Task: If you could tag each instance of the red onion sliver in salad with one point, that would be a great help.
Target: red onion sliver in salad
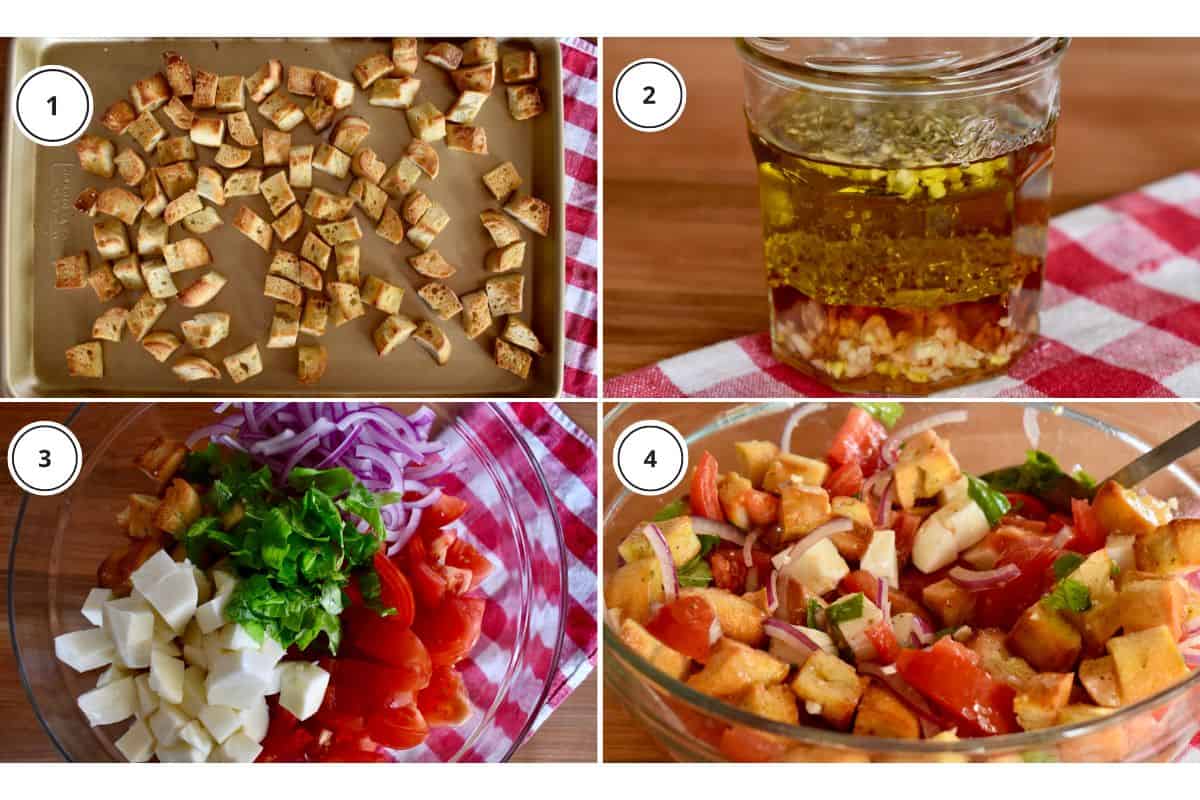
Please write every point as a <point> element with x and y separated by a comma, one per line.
<point>891,448</point>
<point>703,526</point>
<point>831,528</point>
<point>785,440</point>
<point>748,549</point>
<point>976,579</point>
<point>791,635</point>
<point>773,591</point>
<point>666,562</point>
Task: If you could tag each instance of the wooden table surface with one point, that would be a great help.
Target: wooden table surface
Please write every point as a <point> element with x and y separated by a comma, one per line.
<point>682,248</point>
<point>568,735</point>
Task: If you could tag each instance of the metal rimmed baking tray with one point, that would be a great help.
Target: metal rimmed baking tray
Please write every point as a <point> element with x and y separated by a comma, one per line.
<point>40,225</point>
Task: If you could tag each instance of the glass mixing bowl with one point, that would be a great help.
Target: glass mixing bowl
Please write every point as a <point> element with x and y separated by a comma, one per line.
<point>59,542</point>
<point>690,725</point>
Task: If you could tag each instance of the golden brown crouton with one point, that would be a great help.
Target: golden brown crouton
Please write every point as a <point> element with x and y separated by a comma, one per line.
<point>313,360</point>
<point>202,221</point>
<point>881,713</point>
<point>111,240</point>
<point>278,194</point>
<point>131,168</point>
<point>194,368</point>
<point>243,183</point>
<point>831,686</point>
<point>300,166</point>
<point>204,93</point>
<point>202,290</point>
<point>319,114</point>
<point>241,129</point>
<point>325,207</point>
<point>349,134</point>
<point>244,364</point>
<point>176,179</point>
<point>424,156</point>
<point>161,345</point>
<point>333,90</point>
<point>431,264</point>
<point>277,149</point>
<point>232,157</point>
<point>502,181</point>
<point>733,668</point>
<point>85,360</point>
<point>525,102</point>
<point>392,332</point>
<point>144,314</point>
<point>186,254</point>
<point>394,92</point>
<point>502,230</point>
<point>480,50</point>
<point>400,178</point>
<point>96,155</point>
<point>530,212</point>
<point>210,186</point>
<point>85,201</point>
<point>434,341</point>
<point>1042,698</point>
<point>367,165</point>
<point>109,325</point>
<point>301,80</point>
<point>372,68</point>
<point>104,283</point>
<point>346,258</point>
<point>187,203</point>
<point>466,107</point>
<point>477,317</point>
<point>179,74</point>
<point>207,131</point>
<point>119,203</point>
<point>253,227</point>
<point>505,259</point>
<point>287,224</point>
<point>129,271</point>
<point>466,138</point>
<point>179,114</point>
<point>432,222</point>
<point>426,122</point>
<point>265,80</point>
<point>444,55</point>
<point>206,330</point>
<point>315,251</point>
<point>330,160</point>
<point>336,233</point>
<point>390,227</point>
<point>404,56</point>
<point>479,78</point>
<point>285,326</point>
<point>118,117</point>
<point>513,359</point>
<point>231,93</point>
<point>415,206</point>
<point>519,66</point>
<point>663,658</point>
<point>281,289</point>
<point>71,272</point>
<point>520,334</point>
<point>282,112</point>
<point>441,299</point>
<point>150,94</point>
<point>381,294</point>
<point>315,318</point>
<point>347,298</point>
<point>505,294</point>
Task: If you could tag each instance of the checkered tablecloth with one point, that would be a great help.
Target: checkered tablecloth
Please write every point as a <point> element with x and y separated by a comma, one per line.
<point>567,458</point>
<point>1120,316</point>
<point>581,97</point>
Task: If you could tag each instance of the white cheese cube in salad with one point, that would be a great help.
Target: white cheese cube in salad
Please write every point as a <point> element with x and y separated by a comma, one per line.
<point>167,722</point>
<point>221,722</point>
<point>237,679</point>
<point>93,606</point>
<point>195,694</point>
<point>271,651</point>
<point>196,736</point>
<point>276,682</point>
<point>130,622</point>
<point>85,650</point>
<point>147,698</point>
<point>153,570</point>
<point>237,749</point>
<point>819,569</point>
<point>953,492</point>
<point>1120,550</point>
<point>302,688</point>
<point>204,585</point>
<point>175,598</point>
<point>211,615</point>
<point>966,520</point>
<point>137,743</point>
<point>880,558</point>
<point>224,582</point>
<point>854,630</point>
<point>256,719</point>
<point>180,752</point>
<point>108,704</point>
<point>115,672</point>
<point>948,531</point>
<point>166,677</point>
<point>235,637</point>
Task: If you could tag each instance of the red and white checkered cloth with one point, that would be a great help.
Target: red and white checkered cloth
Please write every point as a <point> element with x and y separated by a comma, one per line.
<point>567,458</point>
<point>581,95</point>
<point>1120,316</point>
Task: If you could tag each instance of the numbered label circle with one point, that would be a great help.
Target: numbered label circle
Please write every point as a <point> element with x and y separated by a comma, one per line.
<point>53,105</point>
<point>650,457</point>
<point>649,95</point>
<point>44,458</point>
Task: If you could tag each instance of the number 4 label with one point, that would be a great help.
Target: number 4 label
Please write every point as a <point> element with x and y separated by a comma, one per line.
<point>650,457</point>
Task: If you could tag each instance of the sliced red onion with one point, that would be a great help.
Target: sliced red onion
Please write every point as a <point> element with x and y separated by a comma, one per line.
<point>748,549</point>
<point>805,410</point>
<point>276,444</point>
<point>885,600</point>
<point>883,514</point>
<point>666,562</point>
<point>226,426</point>
<point>1064,535</point>
<point>1191,628</point>
<point>873,486</point>
<point>703,526</point>
<point>773,591</point>
<point>821,533</point>
<point>1193,579</point>
<point>790,635</point>
<point>978,579</point>
<point>923,630</point>
<point>1192,659</point>
<point>1032,431</point>
<point>891,448</point>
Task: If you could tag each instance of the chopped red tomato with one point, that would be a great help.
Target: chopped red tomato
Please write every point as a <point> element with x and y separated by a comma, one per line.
<point>1056,522</point>
<point>444,701</point>
<point>1027,505</point>
<point>1000,606</point>
<point>728,565</point>
<point>1089,533</point>
<point>383,640</point>
<point>451,630</point>
<point>463,555</point>
<point>442,512</point>
<point>905,525</point>
<point>761,507</point>
<point>858,441</point>
<point>361,686</point>
<point>286,746</point>
<point>394,589</point>
<point>428,584</point>
<point>704,498</point>
<point>883,638</point>
<point>399,728</point>
<point>845,481</point>
<point>949,674</point>
<point>685,625</point>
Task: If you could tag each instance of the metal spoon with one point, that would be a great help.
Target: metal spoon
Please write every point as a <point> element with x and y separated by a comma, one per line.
<point>1161,456</point>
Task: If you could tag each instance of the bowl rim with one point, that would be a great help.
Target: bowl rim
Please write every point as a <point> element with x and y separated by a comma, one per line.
<point>542,483</point>
<point>808,735</point>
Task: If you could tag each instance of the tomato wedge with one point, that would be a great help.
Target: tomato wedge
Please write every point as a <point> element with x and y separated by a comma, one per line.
<point>1090,535</point>
<point>399,728</point>
<point>883,638</point>
<point>451,630</point>
<point>362,687</point>
<point>395,591</point>
<point>949,674</point>
<point>383,640</point>
<point>444,701</point>
<point>463,555</point>
<point>1001,606</point>
<point>703,498</point>
<point>845,481</point>
<point>858,441</point>
<point>1027,505</point>
<point>442,512</point>
<point>428,584</point>
<point>685,625</point>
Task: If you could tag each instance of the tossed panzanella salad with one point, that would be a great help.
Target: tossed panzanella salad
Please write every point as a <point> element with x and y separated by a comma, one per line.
<point>295,589</point>
<point>882,590</point>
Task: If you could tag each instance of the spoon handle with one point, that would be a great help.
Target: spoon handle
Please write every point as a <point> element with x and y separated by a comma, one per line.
<point>1153,460</point>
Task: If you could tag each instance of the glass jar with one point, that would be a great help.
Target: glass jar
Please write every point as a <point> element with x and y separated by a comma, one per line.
<point>905,189</point>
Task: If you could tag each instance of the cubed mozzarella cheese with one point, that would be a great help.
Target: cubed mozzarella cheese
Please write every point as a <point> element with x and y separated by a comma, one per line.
<point>302,688</point>
<point>180,752</point>
<point>276,681</point>
<point>933,546</point>
<point>115,672</point>
<point>211,615</point>
<point>237,749</point>
<point>153,570</point>
<point>256,719</point>
<point>170,648</point>
<point>93,606</point>
<point>271,650</point>
<point>166,677</point>
<point>235,637</point>
<point>204,585</point>
<point>137,743</point>
<point>905,626</point>
<point>221,722</point>
<point>174,597</point>
<point>109,704</point>
<point>85,650</point>
<point>237,679</point>
<point>880,558</point>
<point>853,630</point>
<point>194,653</point>
<point>819,568</point>
<point>147,698</point>
<point>953,492</point>
<point>966,521</point>
<point>167,722</point>
<point>1120,550</point>
<point>195,694</point>
<point>195,735</point>
<point>130,622</point>
<point>224,582</point>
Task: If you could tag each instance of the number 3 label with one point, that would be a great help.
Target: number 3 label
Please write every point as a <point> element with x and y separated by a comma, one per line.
<point>44,458</point>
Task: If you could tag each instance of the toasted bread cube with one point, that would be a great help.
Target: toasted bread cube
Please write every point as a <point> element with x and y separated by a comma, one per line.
<point>950,603</point>
<point>390,227</point>
<point>434,341</point>
<point>111,240</point>
<point>733,668</point>
<point>333,90</point>
<point>441,299</point>
<point>281,289</point>
<point>129,272</point>
<point>319,114</point>
<point>301,80</point>
<point>381,294</point>
<point>882,713</point>
<point>154,198</point>
<point>336,233</point>
<point>313,360</point>
<point>176,179</point>
<point>175,149</point>
<point>85,201</point>
<point>369,197</point>
<point>426,122</point>
<point>392,332</point>
<point>404,56</point>
<point>310,277</point>
<point>161,345</point>
<point>372,68</point>
<point>281,111</point>
<point>244,364</point>
<point>277,193</point>
<point>243,183</point>
<point>96,155</point>
<point>505,259</point>
<point>241,129</point>
<point>285,265</point>
<point>288,223</point>
<point>347,298</point>
<point>1146,662</point>
<point>186,254</point>
<point>232,157</point>
<point>530,212</point>
<point>207,131</point>
<point>431,264</point>
<point>525,102</point>
<point>424,156</point>
<point>71,272</point>
<point>254,227</point>
<point>444,55</point>
<point>479,78</point>
<point>187,203</point>
<point>502,181</point>
<point>827,681</point>
<point>202,221</point>
<point>130,167</point>
<point>150,94</point>
<point>85,360</point>
<point>349,134</point>
<point>400,178</point>
<point>1128,511</point>
<point>325,207</point>
<point>202,290</point>
<point>394,92</point>
<point>205,330</point>
<point>194,368</point>
<point>300,162</point>
<point>504,294</point>
<point>205,89</point>
<point>480,50</point>
<point>477,317</point>
<point>315,251</point>
<point>108,326</point>
<point>265,80</point>
<point>316,315</point>
<point>740,619</point>
<point>660,656</point>
<point>209,185</point>
<point>502,229</point>
<point>179,74</point>
<point>158,279</point>
<point>432,222</point>
<point>415,206</point>
<point>231,93</point>
<point>466,107</point>
<point>1152,602</point>
<point>1170,548</point>
<point>276,145</point>
<point>513,359</point>
<point>179,114</point>
<point>119,203</point>
<point>144,314</point>
<point>285,326</point>
<point>520,334</point>
<point>180,507</point>
<point>519,66</point>
<point>330,160</point>
<point>367,165</point>
<point>466,138</point>
<point>117,117</point>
